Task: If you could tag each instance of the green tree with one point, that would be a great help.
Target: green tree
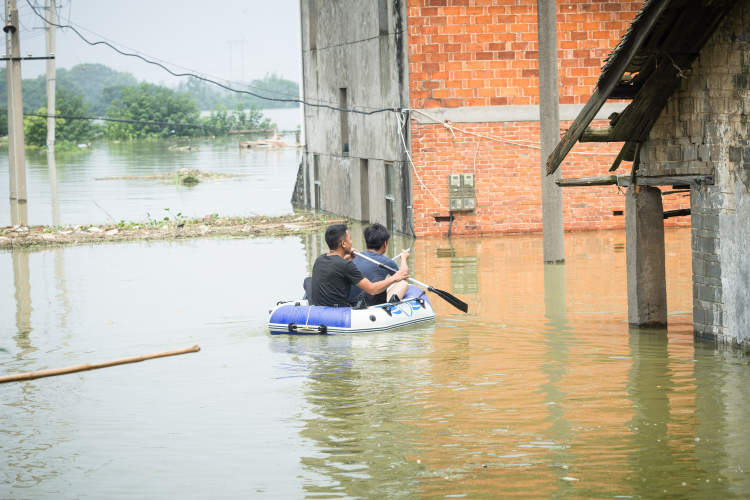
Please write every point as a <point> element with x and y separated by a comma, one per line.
<point>155,103</point>
<point>92,80</point>
<point>67,131</point>
<point>221,121</point>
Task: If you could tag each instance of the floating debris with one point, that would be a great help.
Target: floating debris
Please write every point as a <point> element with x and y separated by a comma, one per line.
<point>185,176</point>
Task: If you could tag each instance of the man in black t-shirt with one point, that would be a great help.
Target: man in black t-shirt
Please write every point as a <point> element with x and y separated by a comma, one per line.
<point>334,273</point>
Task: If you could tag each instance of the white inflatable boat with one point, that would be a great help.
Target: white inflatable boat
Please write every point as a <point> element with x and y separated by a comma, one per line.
<point>297,317</point>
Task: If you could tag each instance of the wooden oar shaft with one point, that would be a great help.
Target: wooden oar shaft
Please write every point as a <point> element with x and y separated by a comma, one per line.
<point>93,366</point>
<point>389,268</point>
<point>455,301</point>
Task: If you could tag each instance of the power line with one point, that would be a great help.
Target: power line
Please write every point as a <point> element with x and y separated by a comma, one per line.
<point>218,84</point>
<point>353,42</point>
<point>119,120</point>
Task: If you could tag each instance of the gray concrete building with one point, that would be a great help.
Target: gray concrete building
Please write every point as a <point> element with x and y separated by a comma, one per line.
<point>354,58</point>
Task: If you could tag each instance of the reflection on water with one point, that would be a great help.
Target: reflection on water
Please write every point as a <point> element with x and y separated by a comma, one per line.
<point>52,174</point>
<point>22,287</point>
<point>542,390</point>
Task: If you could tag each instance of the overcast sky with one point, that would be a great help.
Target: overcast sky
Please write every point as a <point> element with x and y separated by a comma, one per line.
<point>237,40</point>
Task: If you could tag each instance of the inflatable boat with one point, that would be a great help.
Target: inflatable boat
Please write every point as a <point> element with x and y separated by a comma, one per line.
<point>297,317</point>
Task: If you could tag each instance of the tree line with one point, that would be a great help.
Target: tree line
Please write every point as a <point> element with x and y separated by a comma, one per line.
<point>88,90</point>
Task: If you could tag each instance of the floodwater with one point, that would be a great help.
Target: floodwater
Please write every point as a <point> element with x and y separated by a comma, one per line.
<point>540,391</point>
<point>73,193</point>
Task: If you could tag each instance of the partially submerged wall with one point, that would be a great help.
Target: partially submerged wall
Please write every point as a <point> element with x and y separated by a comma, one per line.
<point>704,130</point>
<point>354,163</point>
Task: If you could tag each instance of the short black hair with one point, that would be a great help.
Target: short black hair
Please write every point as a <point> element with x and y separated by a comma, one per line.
<point>376,235</point>
<point>335,234</point>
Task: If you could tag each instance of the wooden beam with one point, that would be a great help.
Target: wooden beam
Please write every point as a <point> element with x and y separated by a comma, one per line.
<point>628,153</point>
<point>588,181</point>
<point>625,180</point>
<point>636,120</point>
<point>618,160</point>
<point>596,134</point>
<point>574,133</point>
<point>676,213</point>
<point>624,91</point>
<point>601,93</point>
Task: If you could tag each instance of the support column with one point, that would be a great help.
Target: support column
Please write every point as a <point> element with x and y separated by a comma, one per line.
<point>50,42</point>
<point>644,235</point>
<point>549,116</point>
<point>16,153</point>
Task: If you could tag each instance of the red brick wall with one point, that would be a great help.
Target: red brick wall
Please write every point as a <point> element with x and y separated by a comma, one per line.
<point>483,53</point>
<point>508,181</point>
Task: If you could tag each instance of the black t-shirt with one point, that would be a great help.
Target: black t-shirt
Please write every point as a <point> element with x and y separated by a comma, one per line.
<point>332,277</point>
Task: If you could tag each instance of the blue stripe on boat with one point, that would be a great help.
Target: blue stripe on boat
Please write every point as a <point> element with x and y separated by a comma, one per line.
<point>338,317</point>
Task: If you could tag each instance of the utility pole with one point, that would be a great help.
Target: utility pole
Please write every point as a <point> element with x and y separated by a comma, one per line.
<point>50,42</point>
<point>549,117</point>
<point>16,156</point>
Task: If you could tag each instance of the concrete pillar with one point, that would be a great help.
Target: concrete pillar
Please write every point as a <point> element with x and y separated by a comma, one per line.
<point>549,116</point>
<point>644,237</point>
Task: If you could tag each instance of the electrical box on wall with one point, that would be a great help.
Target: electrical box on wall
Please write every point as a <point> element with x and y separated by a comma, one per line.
<point>461,190</point>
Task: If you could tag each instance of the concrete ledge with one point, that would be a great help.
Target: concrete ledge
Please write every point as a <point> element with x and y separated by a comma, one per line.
<point>487,114</point>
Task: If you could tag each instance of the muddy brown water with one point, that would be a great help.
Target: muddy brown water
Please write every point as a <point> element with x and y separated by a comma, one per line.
<point>541,391</point>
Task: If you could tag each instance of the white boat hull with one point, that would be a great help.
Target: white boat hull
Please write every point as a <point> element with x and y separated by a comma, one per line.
<point>298,317</point>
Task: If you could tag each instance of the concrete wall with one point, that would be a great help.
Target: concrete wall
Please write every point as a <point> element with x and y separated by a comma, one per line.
<point>357,45</point>
<point>704,129</point>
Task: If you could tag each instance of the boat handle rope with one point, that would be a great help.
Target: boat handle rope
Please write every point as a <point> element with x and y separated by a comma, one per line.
<point>307,321</point>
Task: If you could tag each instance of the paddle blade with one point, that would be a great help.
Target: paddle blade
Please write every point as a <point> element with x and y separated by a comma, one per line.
<point>451,299</point>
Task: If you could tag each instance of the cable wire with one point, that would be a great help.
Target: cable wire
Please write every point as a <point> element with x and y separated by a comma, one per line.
<point>411,162</point>
<point>119,120</point>
<point>451,127</point>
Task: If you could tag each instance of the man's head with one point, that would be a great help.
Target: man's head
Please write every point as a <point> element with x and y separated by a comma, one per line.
<point>336,234</point>
<point>376,236</point>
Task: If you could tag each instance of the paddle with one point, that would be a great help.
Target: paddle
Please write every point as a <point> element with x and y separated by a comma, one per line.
<point>454,301</point>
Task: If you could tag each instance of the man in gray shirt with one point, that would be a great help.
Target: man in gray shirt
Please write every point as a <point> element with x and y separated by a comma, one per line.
<point>376,238</point>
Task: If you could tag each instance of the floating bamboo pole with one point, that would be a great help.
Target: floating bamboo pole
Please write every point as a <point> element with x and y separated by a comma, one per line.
<point>93,366</point>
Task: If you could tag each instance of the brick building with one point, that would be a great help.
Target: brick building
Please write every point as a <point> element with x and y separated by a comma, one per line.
<point>467,72</point>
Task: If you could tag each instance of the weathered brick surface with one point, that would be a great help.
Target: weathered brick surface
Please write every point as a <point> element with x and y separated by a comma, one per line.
<point>508,181</point>
<point>466,53</point>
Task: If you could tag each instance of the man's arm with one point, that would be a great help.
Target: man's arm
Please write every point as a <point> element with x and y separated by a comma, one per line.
<point>380,286</point>
<point>403,264</point>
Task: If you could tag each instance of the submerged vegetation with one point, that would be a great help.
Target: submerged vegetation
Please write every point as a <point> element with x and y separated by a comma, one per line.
<point>164,227</point>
